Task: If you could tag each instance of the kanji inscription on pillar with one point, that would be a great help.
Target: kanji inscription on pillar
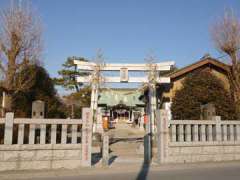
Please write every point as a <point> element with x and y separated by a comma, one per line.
<point>86,137</point>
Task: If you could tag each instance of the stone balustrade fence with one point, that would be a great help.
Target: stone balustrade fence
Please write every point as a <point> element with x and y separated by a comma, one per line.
<point>45,143</point>
<point>181,141</point>
<point>66,143</point>
<point>204,131</point>
<point>40,125</point>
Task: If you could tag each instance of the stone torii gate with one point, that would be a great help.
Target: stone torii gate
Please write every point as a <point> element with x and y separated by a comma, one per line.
<point>151,80</point>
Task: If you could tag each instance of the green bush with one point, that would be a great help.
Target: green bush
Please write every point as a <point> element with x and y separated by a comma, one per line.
<point>200,88</point>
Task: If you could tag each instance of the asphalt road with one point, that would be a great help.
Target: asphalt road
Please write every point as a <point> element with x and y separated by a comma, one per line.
<point>227,171</point>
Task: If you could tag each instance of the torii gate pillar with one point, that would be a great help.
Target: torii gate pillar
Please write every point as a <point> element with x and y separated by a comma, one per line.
<point>152,106</point>
<point>94,105</point>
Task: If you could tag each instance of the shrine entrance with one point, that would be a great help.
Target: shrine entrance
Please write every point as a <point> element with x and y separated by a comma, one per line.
<point>122,105</point>
<point>123,110</point>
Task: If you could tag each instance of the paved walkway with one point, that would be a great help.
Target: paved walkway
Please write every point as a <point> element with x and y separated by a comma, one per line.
<point>126,144</point>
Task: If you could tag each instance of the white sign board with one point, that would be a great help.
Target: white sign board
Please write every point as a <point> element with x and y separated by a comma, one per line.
<point>124,75</point>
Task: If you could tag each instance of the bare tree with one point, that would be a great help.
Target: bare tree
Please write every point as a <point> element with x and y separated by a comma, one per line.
<point>20,46</point>
<point>226,36</point>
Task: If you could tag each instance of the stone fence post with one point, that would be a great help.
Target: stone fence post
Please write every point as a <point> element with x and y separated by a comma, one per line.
<point>218,127</point>
<point>162,135</point>
<point>105,150</point>
<point>8,133</point>
<point>87,137</point>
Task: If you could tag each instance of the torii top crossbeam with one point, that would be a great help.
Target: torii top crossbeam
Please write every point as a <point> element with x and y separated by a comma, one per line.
<point>163,66</point>
<point>124,68</point>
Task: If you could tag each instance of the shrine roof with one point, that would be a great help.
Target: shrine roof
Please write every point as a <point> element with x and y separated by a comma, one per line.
<point>202,62</point>
<point>113,97</point>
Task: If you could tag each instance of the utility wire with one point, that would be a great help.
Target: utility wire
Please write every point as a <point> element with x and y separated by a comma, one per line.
<point>223,56</point>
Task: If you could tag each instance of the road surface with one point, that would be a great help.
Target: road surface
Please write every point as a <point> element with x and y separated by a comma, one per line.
<point>211,171</point>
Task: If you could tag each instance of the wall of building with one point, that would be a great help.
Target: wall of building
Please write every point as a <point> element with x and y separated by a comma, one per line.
<point>223,77</point>
<point>176,84</point>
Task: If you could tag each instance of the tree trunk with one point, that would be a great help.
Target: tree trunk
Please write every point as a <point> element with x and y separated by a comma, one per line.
<point>235,81</point>
<point>8,103</point>
<point>9,83</point>
<point>3,103</point>
<point>72,111</point>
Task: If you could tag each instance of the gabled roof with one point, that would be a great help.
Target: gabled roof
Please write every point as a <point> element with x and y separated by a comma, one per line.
<point>198,64</point>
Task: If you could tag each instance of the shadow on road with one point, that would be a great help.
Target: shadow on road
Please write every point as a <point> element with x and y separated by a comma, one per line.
<point>112,159</point>
<point>116,140</point>
<point>142,175</point>
<point>96,157</point>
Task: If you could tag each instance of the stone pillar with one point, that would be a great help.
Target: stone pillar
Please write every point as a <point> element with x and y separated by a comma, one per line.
<point>38,109</point>
<point>105,150</point>
<point>195,133</point>
<point>8,133</point>
<point>181,133</point>
<point>129,116</point>
<point>148,138</point>
<point>147,148</point>
<point>132,117</point>
<point>188,130</point>
<point>99,125</point>
<point>210,132</point>
<point>87,137</point>
<point>208,111</point>
<point>152,106</point>
<point>94,104</point>
<point>162,136</point>
<point>38,112</point>
<point>141,124</point>
<point>218,127</point>
<point>142,121</point>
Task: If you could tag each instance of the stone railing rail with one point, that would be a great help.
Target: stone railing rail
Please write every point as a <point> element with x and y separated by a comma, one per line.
<point>39,124</point>
<point>204,130</point>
